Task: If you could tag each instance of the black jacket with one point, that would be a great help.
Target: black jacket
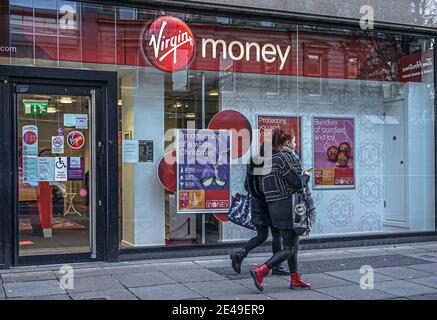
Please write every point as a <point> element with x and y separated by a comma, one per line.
<point>259,207</point>
<point>284,176</point>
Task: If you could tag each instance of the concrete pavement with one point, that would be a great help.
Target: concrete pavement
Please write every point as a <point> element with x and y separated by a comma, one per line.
<point>407,271</point>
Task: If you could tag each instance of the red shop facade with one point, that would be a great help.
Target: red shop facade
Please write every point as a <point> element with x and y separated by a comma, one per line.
<point>97,97</point>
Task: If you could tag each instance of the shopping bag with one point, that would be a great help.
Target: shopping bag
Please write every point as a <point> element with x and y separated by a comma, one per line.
<point>304,211</point>
<point>239,213</point>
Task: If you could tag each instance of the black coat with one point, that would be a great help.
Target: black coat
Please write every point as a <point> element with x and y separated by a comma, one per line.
<point>285,178</point>
<point>259,208</point>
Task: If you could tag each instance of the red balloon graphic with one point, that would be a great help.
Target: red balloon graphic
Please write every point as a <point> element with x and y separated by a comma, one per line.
<point>237,122</point>
<point>167,171</point>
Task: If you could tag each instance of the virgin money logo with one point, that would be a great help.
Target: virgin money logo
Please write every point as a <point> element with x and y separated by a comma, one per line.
<point>75,140</point>
<point>168,44</point>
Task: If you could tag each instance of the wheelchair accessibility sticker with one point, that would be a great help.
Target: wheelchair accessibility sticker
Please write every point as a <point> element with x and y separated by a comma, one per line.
<point>61,169</point>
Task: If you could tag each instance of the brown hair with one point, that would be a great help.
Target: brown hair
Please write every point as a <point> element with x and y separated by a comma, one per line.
<point>280,138</point>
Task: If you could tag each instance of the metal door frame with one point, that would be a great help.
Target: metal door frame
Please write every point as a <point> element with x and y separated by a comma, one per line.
<point>106,165</point>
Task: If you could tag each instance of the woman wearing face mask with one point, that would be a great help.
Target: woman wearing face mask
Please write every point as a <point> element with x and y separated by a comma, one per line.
<point>260,218</point>
<point>286,176</point>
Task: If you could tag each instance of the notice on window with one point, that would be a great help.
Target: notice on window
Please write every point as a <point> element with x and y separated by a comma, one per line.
<point>46,169</point>
<point>61,171</point>
<point>58,144</point>
<point>81,121</point>
<point>30,155</point>
<point>203,171</point>
<point>76,120</point>
<point>69,120</point>
<point>130,151</point>
<point>333,147</point>
<point>75,169</point>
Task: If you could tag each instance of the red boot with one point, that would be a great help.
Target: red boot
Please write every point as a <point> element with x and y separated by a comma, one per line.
<point>297,282</point>
<point>258,275</point>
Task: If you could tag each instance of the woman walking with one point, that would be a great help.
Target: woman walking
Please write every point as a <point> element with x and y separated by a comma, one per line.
<point>284,178</point>
<point>260,218</point>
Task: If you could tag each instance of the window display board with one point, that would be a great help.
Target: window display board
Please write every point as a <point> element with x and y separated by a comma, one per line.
<point>203,170</point>
<point>333,152</point>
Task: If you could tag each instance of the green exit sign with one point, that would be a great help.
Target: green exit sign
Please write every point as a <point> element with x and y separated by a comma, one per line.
<point>35,107</point>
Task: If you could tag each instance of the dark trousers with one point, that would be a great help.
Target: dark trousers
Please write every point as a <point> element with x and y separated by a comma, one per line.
<point>262,233</point>
<point>290,242</point>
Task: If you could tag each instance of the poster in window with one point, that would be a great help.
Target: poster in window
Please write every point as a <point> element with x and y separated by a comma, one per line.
<point>267,123</point>
<point>203,171</point>
<point>334,152</point>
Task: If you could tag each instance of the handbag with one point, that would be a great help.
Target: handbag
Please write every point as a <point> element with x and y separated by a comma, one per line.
<point>239,212</point>
<point>304,211</point>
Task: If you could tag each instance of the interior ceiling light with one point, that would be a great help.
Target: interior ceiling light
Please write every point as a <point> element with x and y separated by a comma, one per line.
<point>190,115</point>
<point>66,100</point>
<point>51,109</point>
<point>213,93</point>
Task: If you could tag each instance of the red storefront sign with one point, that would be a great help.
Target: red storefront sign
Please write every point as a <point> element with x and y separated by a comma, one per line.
<point>88,35</point>
<point>92,36</point>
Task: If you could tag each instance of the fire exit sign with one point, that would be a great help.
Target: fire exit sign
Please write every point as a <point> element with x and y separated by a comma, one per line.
<point>35,107</point>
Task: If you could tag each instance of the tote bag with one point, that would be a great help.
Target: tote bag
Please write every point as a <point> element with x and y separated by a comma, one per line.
<point>239,213</point>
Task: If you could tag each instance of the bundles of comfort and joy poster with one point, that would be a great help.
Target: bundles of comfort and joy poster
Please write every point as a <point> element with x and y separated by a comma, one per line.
<point>334,148</point>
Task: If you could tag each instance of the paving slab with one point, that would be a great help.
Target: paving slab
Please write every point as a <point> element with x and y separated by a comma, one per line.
<point>144,279</point>
<point>298,294</point>
<point>28,276</point>
<point>321,280</point>
<point>429,267</point>
<point>353,263</point>
<point>113,270</point>
<point>229,273</point>
<point>30,289</point>
<point>402,288</point>
<point>214,263</point>
<point>175,291</point>
<point>428,256</point>
<point>271,283</point>
<point>355,293</point>
<point>253,296</point>
<point>92,284</point>
<point>355,276</point>
<point>366,252</point>
<point>429,281</point>
<point>406,249</point>
<point>427,245</point>
<point>117,294</point>
<point>219,288</point>
<point>431,296</point>
<point>188,265</point>
<point>402,272</point>
<point>86,272</point>
<point>196,275</point>
<point>53,297</point>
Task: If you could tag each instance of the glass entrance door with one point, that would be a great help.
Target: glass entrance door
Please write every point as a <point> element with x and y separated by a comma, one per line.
<point>56,175</point>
